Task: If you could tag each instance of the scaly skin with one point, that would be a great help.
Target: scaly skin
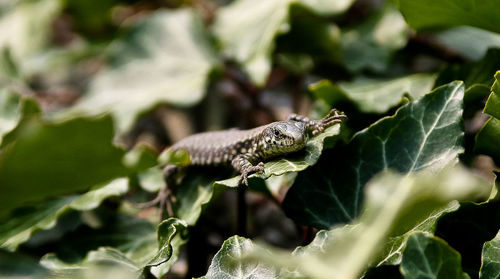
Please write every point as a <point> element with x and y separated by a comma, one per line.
<point>247,150</point>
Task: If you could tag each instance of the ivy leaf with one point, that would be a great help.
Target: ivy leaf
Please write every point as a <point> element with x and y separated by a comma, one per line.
<point>41,159</point>
<point>470,42</point>
<point>493,104</point>
<point>430,257</point>
<point>21,226</point>
<point>169,232</point>
<point>477,73</point>
<point>26,27</point>
<point>371,44</point>
<point>246,30</point>
<point>490,267</point>
<point>477,223</point>
<point>421,14</point>
<point>12,108</point>
<point>372,95</point>
<point>425,134</point>
<point>166,58</point>
<point>141,157</point>
<point>226,263</point>
<point>116,265</point>
<point>487,137</point>
<point>15,265</point>
<point>326,7</point>
<point>394,204</point>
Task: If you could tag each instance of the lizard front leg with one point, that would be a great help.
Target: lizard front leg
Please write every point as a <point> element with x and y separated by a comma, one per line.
<point>243,164</point>
<point>318,126</point>
<point>165,197</point>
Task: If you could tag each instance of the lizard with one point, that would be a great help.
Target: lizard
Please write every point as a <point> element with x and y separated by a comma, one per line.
<point>245,150</point>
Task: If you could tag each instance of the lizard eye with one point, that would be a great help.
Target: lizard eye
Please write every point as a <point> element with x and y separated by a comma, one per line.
<point>276,133</point>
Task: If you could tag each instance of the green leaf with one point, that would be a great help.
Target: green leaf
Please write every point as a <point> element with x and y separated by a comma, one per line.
<point>43,160</point>
<point>10,111</point>
<point>151,179</point>
<point>371,44</point>
<point>487,137</point>
<point>394,204</point>
<point>166,58</point>
<point>166,232</point>
<point>430,257</point>
<point>467,229</point>
<point>9,70</point>
<point>104,261</point>
<point>20,227</point>
<point>493,104</point>
<point>227,262</point>
<point>93,19</point>
<point>246,30</point>
<point>490,267</point>
<point>14,265</point>
<point>478,73</point>
<point>421,14</point>
<point>294,162</point>
<point>326,7</point>
<point>177,157</point>
<point>425,134</point>
<point>392,249</point>
<point>311,39</point>
<point>470,42</point>
<point>373,95</point>
<point>197,190</point>
<point>141,157</point>
<point>26,27</point>
<point>134,254</point>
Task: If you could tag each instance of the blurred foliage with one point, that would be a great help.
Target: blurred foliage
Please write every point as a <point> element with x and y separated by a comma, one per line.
<point>92,93</point>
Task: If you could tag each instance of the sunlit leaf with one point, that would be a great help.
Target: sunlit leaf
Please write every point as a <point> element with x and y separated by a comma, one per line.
<point>166,58</point>
<point>490,267</point>
<point>10,111</point>
<point>425,134</point>
<point>226,263</point>
<point>43,160</point>
<point>246,30</point>
<point>469,42</point>
<point>21,226</point>
<point>393,205</point>
<point>493,104</point>
<point>168,231</point>
<point>487,137</point>
<point>26,26</point>
<point>372,95</point>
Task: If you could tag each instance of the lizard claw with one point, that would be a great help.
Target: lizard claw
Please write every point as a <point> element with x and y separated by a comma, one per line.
<point>259,168</point>
<point>333,117</point>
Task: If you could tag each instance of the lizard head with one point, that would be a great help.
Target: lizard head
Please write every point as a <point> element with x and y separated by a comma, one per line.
<point>284,137</point>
